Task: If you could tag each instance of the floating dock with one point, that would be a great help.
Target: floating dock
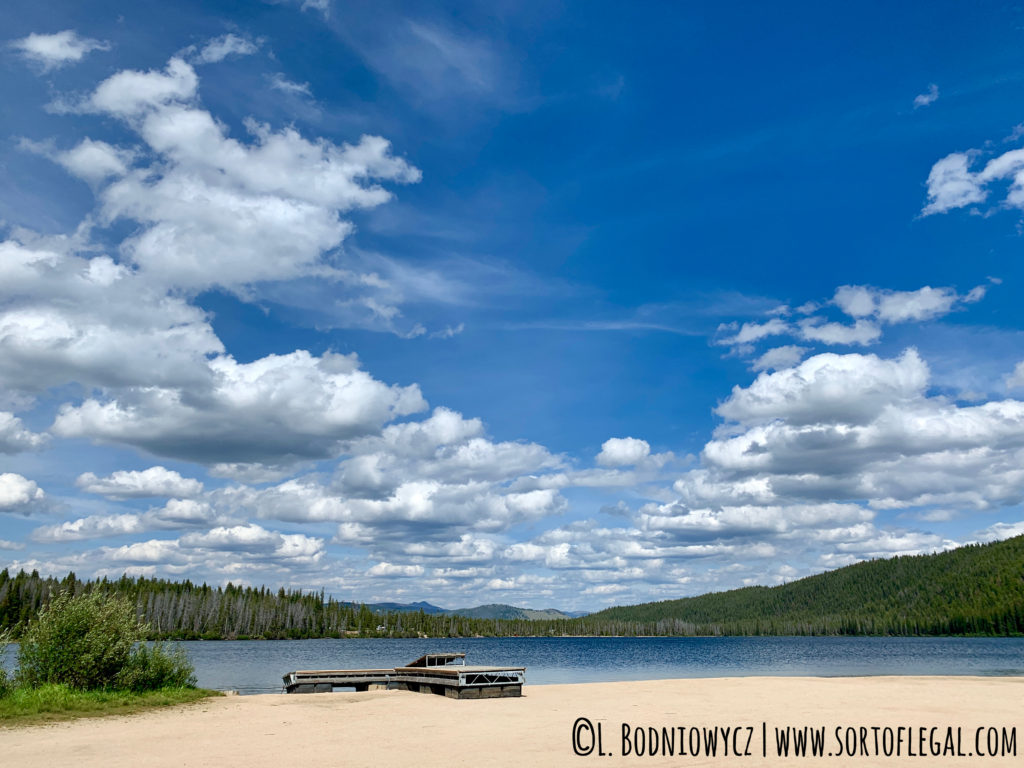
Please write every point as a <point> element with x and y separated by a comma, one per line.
<point>445,674</point>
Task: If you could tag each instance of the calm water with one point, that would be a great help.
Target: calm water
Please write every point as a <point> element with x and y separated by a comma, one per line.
<point>256,666</point>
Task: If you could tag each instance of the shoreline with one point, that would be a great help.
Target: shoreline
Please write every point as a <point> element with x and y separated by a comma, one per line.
<point>394,728</point>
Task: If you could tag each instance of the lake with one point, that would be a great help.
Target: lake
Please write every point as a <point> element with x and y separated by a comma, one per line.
<point>255,666</point>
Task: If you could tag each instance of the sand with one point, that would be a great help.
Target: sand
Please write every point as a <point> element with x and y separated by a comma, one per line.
<point>397,728</point>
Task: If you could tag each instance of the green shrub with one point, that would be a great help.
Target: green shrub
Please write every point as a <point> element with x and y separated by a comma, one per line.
<point>90,642</point>
<point>81,641</point>
<point>156,666</point>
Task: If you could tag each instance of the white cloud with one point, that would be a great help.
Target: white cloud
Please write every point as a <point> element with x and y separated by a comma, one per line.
<point>862,332</point>
<point>1015,380</point>
<point>96,526</point>
<point>928,97</point>
<point>779,357</point>
<point>257,542</point>
<point>155,481</point>
<point>219,48</point>
<point>281,83</point>
<point>445,447</point>
<point>888,306</point>
<point>91,161</point>
<point>855,429</point>
<point>65,318</point>
<point>751,332</point>
<point>217,211</point>
<point>58,49</point>
<point>623,451</point>
<point>871,308</point>
<point>256,217</point>
<point>14,438</point>
<point>176,514</point>
<point>182,513</point>
<point>276,408</point>
<point>11,545</point>
<point>951,185</point>
<point>324,6</point>
<point>1000,531</point>
<point>18,494</point>
<point>828,388</point>
<point>389,570</point>
<point>130,93</point>
<point>95,161</point>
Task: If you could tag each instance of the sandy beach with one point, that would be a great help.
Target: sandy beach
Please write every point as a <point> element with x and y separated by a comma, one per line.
<point>907,716</point>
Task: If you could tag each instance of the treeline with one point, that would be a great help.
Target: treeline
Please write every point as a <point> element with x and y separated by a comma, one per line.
<point>186,611</point>
<point>974,590</point>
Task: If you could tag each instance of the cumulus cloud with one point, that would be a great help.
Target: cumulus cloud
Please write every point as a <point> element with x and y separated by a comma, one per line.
<point>177,514</point>
<point>623,451</point>
<point>66,318</point>
<point>436,488</point>
<point>870,309</point>
<point>96,526</point>
<point>58,49</point>
<point>795,479</point>
<point>229,550</point>
<point>828,388</point>
<point>861,333</point>
<point>14,438</point>
<point>95,161</point>
<point>860,301</point>
<point>785,356</point>
<point>155,481</point>
<point>857,428</point>
<point>1000,531</point>
<point>953,184</point>
<point>19,494</point>
<point>277,408</point>
<point>91,161</point>
<point>389,570</point>
<point>131,93</point>
<point>217,211</point>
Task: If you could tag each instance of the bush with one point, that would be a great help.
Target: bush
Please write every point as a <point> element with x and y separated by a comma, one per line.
<point>156,666</point>
<point>82,642</point>
<point>90,642</point>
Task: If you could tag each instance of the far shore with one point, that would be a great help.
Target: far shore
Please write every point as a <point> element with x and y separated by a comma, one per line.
<point>953,716</point>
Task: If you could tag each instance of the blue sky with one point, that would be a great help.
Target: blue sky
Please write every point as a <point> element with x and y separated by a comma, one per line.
<point>545,304</point>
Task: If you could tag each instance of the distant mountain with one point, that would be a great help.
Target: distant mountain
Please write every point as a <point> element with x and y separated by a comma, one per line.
<point>501,611</point>
<point>427,608</point>
<point>491,611</point>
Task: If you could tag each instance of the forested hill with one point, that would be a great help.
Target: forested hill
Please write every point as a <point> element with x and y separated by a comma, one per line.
<point>977,589</point>
<point>974,590</point>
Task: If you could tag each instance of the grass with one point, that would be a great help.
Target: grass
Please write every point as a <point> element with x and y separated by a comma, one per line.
<point>50,703</point>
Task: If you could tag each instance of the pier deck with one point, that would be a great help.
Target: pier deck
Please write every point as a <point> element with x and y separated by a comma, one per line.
<point>441,674</point>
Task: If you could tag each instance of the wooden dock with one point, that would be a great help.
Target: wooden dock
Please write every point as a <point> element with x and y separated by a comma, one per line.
<point>445,674</point>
